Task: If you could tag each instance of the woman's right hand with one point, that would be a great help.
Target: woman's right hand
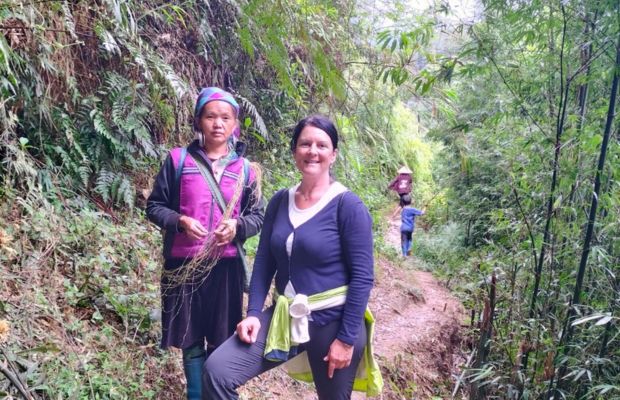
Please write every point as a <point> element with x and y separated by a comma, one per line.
<point>192,227</point>
<point>247,330</point>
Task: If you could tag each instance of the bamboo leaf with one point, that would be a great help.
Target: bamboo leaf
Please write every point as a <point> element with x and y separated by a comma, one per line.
<point>586,319</point>
<point>604,320</point>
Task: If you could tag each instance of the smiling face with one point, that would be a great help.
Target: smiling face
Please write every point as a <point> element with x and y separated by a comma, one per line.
<point>217,121</point>
<point>314,152</point>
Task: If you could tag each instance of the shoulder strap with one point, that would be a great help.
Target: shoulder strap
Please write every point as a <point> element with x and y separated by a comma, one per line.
<point>246,172</point>
<point>177,176</point>
<point>179,170</point>
<point>213,186</point>
<point>215,190</point>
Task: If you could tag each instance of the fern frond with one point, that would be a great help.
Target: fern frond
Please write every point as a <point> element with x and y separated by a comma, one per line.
<point>259,123</point>
<point>67,126</point>
<point>69,21</point>
<point>177,84</point>
<point>19,161</point>
<point>115,188</point>
<point>126,192</point>
<point>129,112</point>
<point>108,42</point>
<point>145,57</point>
<point>84,171</point>
<point>104,183</point>
<point>101,127</point>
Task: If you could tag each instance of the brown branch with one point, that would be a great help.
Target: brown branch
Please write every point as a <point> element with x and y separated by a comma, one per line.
<point>14,378</point>
<point>23,28</point>
<point>527,224</point>
<point>505,81</point>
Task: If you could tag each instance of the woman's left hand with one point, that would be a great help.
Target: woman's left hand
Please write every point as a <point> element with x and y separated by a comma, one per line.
<point>225,232</point>
<point>339,357</point>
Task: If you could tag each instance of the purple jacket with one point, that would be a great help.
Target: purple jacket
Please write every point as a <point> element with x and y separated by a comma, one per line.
<point>193,198</point>
<point>401,184</point>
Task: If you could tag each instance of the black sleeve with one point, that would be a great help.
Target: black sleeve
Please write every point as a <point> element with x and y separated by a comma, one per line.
<point>252,214</point>
<point>161,205</point>
<point>355,225</point>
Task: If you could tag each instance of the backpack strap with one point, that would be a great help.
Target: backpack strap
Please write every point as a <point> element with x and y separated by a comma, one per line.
<point>177,177</point>
<point>217,193</point>
<point>246,172</point>
<point>179,170</point>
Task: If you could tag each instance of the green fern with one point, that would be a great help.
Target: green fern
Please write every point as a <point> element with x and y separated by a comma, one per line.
<point>101,127</point>
<point>130,110</point>
<point>259,123</point>
<point>125,192</point>
<point>115,188</point>
<point>69,21</point>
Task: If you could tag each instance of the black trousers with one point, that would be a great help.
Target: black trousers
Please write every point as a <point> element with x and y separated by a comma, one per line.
<point>400,201</point>
<point>235,362</point>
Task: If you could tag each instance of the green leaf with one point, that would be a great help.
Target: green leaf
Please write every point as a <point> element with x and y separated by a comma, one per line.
<point>604,320</point>
<point>588,318</point>
<point>45,348</point>
<point>595,141</point>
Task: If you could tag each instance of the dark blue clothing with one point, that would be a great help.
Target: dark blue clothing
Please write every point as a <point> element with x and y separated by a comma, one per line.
<point>407,218</point>
<point>332,249</point>
<point>235,362</point>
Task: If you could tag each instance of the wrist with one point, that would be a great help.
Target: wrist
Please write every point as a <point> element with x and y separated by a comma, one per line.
<point>181,223</point>
<point>345,344</point>
<point>232,225</point>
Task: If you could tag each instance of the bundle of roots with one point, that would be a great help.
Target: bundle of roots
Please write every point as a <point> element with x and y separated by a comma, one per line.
<point>197,270</point>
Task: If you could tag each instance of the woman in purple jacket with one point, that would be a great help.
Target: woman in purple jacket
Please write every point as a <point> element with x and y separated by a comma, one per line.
<point>316,243</point>
<point>203,276</point>
<point>402,183</point>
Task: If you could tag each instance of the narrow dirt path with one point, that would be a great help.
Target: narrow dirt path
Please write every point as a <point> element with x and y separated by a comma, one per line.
<point>417,336</point>
<point>418,328</point>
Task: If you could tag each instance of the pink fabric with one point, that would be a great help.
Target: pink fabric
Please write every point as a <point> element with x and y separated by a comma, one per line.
<point>197,202</point>
<point>401,184</point>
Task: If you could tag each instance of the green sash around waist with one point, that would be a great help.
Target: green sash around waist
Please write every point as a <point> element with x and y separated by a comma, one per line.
<point>278,345</point>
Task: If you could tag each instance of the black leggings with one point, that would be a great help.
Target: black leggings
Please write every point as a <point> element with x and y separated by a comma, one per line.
<point>235,362</point>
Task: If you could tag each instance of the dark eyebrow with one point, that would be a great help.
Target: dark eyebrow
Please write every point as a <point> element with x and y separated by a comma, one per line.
<point>224,114</point>
<point>318,141</point>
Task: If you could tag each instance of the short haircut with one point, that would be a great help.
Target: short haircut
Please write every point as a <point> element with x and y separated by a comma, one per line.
<point>406,199</point>
<point>317,121</point>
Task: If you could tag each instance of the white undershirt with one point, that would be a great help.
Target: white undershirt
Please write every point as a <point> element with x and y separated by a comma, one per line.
<point>299,216</point>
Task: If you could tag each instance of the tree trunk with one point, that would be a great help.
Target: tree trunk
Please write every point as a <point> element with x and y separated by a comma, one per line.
<point>478,390</point>
<point>554,181</point>
<point>569,328</point>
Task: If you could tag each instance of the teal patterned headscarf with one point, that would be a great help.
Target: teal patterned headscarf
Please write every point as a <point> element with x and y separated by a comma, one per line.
<point>210,94</point>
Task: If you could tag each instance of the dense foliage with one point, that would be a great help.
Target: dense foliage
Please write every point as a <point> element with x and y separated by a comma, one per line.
<point>507,121</point>
<point>92,94</point>
<point>531,166</point>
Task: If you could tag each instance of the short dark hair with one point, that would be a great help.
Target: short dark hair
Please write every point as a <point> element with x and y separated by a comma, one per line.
<point>317,121</point>
<point>406,199</point>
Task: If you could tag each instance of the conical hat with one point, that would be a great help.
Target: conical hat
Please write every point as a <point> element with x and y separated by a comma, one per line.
<point>404,170</point>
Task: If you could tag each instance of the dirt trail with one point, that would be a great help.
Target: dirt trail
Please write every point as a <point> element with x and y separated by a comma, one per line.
<point>417,337</point>
<point>418,327</point>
